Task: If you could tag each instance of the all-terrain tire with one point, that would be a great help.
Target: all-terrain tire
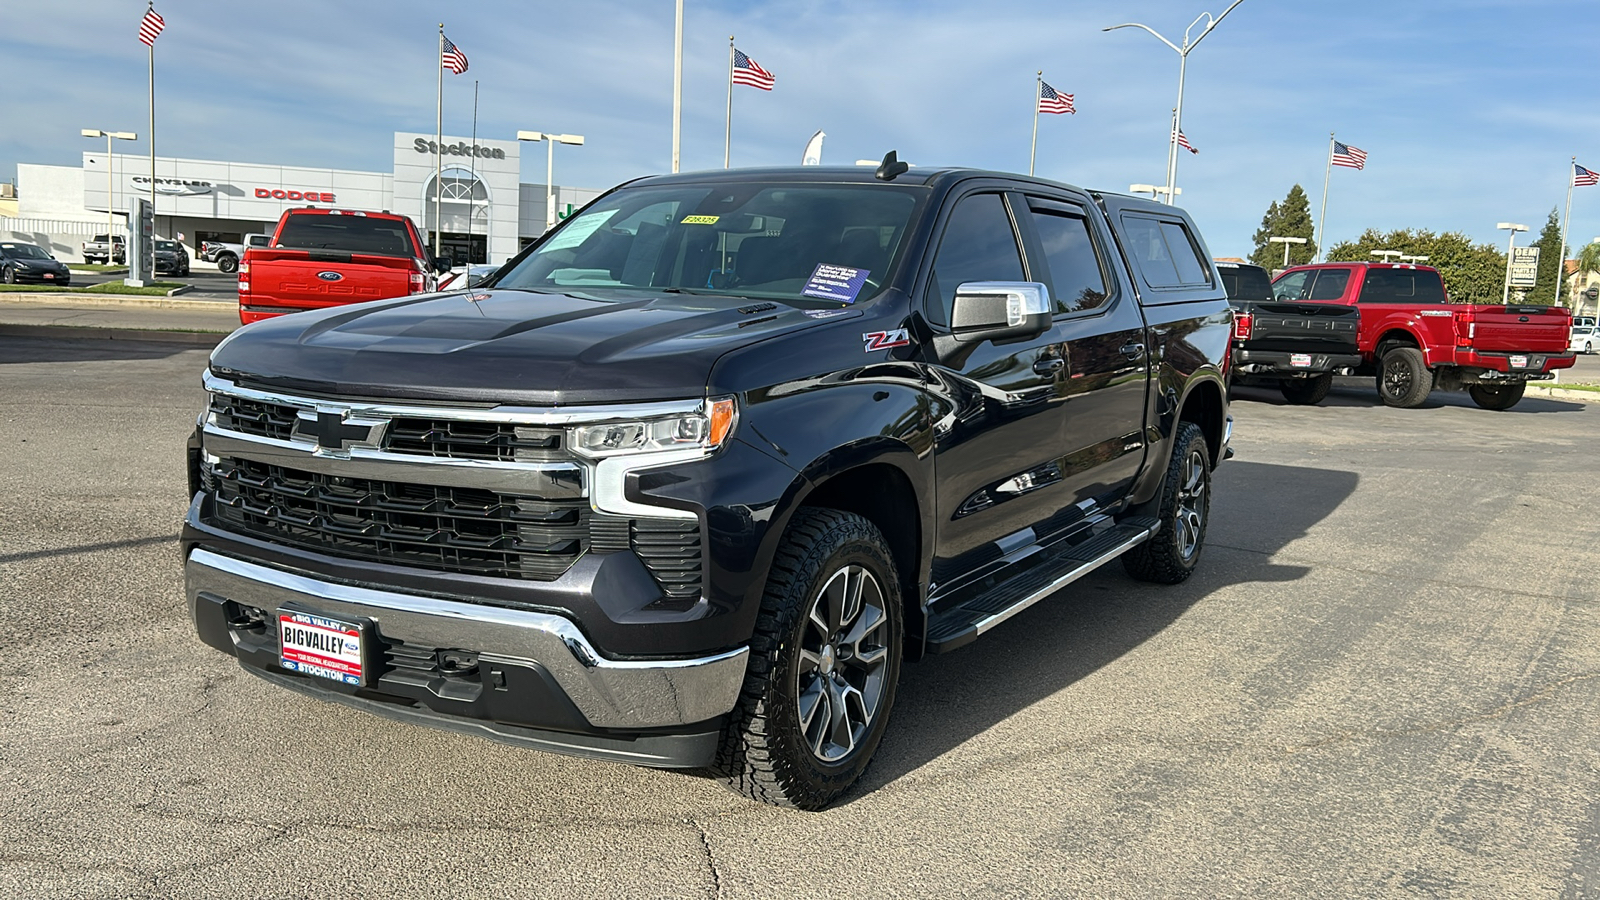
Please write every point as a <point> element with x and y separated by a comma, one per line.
<point>1307,391</point>
<point>1497,396</point>
<point>1403,378</point>
<point>227,264</point>
<point>1171,554</point>
<point>768,753</point>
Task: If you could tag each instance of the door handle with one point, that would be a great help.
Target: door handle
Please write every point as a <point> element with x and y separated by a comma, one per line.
<point>1133,350</point>
<point>1048,365</point>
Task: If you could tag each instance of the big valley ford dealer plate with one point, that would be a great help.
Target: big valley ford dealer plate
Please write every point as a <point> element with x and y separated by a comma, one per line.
<point>321,646</point>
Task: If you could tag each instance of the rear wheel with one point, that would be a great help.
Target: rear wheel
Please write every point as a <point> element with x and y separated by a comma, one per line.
<point>227,264</point>
<point>1171,554</point>
<point>1497,396</point>
<point>1403,378</point>
<point>824,661</point>
<point>1306,391</point>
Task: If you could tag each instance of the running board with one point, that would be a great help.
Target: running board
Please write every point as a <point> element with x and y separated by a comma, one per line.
<point>1054,569</point>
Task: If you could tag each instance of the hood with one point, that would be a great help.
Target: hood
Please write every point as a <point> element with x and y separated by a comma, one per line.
<point>507,346</point>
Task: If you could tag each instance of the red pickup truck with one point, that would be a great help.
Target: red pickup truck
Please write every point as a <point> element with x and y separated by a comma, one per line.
<point>1414,340</point>
<point>330,257</point>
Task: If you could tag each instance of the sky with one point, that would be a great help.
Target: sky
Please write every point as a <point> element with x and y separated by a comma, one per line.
<point>1470,110</point>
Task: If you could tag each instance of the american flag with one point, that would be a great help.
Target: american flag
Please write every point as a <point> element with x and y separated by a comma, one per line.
<point>150,27</point>
<point>1582,177</point>
<point>1051,101</point>
<point>748,71</point>
<point>452,58</point>
<point>1348,156</point>
<point>1183,141</point>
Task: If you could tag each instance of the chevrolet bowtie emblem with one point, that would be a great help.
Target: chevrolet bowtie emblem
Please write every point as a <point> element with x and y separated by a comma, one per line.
<point>335,430</point>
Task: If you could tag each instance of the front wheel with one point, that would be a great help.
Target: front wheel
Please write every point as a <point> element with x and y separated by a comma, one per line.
<point>1497,396</point>
<point>1307,391</point>
<point>1171,554</point>
<point>1403,378</point>
<point>11,276</point>
<point>824,662</point>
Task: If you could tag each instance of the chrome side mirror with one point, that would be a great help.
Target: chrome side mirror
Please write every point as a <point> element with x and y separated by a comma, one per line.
<point>1000,311</point>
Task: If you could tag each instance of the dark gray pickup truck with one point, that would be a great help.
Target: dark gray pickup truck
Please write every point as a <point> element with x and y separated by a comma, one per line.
<point>1297,346</point>
<point>687,481</point>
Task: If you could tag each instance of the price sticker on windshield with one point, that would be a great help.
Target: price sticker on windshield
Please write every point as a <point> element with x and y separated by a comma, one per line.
<point>830,282</point>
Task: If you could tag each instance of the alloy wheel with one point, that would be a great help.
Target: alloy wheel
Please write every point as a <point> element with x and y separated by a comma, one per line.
<point>1396,378</point>
<point>1191,511</point>
<point>843,663</point>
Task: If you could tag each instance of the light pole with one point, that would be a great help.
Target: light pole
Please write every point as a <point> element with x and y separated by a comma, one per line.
<point>110,206</point>
<point>1154,190</point>
<point>551,141</point>
<point>1285,241</point>
<point>1387,256</point>
<point>1183,62</point>
<point>1512,227</point>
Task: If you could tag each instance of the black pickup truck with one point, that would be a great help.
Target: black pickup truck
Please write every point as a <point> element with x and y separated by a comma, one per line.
<point>686,482</point>
<point>1298,346</point>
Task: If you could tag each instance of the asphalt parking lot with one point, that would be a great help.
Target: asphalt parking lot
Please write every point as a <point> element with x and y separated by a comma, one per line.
<point>1383,682</point>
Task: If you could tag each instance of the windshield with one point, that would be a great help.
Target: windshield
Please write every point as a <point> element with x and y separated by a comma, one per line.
<point>803,243</point>
<point>24,251</point>
<point>167,246</point>
<point>1245,282</point>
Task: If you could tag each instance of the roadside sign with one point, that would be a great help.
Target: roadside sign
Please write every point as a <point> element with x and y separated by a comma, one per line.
<point>1524,266</point>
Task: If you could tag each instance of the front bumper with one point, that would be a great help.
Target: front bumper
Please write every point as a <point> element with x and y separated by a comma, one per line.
<point>535,680</point>
<point>34,276</point>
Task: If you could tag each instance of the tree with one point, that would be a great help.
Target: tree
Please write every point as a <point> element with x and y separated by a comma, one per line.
<point>1551,255</point>
<point>1472,273</point>
<point>1588,261</point>
<point>1291,218</point>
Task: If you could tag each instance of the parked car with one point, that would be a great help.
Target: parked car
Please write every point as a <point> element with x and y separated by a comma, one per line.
<point>171,258</point>
<point>21,262</point>
<point>466,277</point>
<point>1413,340</point>
<point>331,257</point>
<point>1298,347</point>
<point>1585,338</point>
<point>227,255</point>
<point>695,475</point>
<point>96,250</point>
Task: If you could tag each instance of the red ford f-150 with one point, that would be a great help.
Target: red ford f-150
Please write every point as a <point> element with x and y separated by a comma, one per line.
<point>330,257</point>
<point>1414,340</point>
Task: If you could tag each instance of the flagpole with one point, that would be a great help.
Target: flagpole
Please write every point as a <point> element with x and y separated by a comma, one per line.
<point>1326,175</point>
<point>677,86</point>
<point>438,147</point>
<point>152,147</point>
<point>472,168</point>
<point>1561,251</point>
<point>727,134</point>
<point>1033,149</point>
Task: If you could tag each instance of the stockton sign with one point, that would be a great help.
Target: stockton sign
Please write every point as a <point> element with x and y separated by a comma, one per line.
<point>423,145</point>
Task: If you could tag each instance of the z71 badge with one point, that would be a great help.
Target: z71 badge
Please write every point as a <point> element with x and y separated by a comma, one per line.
<point>883,340</point>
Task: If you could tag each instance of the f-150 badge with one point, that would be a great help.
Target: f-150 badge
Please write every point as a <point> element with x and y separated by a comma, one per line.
<point>883,340</point>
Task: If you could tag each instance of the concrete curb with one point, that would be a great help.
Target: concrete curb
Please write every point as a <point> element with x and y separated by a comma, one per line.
<point>97,333</point>
<point>1555,393</point>
<point>79,300</point>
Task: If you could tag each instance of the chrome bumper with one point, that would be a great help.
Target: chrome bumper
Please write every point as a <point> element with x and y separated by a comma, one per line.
<point>614,694</point>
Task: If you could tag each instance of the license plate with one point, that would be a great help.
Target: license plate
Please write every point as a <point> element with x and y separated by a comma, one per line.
<point>321,646</point>
<point>1519,362</point>
<point>49,276</point>
<point>1301,360</point>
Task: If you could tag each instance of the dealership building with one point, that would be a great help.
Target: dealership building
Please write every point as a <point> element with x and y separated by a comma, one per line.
<point>486,214</point>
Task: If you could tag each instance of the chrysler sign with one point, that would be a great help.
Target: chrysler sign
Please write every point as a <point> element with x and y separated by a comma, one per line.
<point>173,186</point>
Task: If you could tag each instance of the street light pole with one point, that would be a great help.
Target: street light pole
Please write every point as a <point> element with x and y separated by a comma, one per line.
<point>111,226</point>
<point>1183,62</point>
<point>1285,241</point>
<point>1512,227</point>
<point>550,167</point>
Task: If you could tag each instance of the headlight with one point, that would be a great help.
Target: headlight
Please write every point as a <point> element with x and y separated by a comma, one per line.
<point>703,429</point>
